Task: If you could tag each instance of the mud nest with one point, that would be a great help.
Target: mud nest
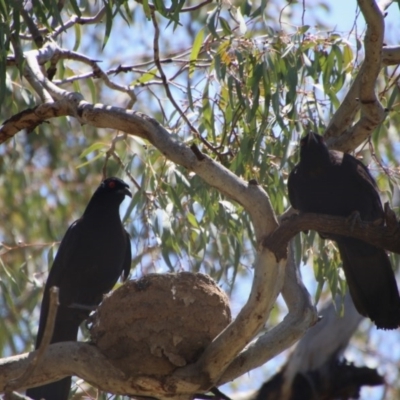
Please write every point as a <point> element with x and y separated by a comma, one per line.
<point>155,324</point>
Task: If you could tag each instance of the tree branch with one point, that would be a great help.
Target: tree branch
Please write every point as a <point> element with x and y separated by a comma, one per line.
<point>302,314</point>
<point>384,236</point>
<point>361,94</point>
<point>38,355</point>
<point>391,55</point>
<point>81,359</point>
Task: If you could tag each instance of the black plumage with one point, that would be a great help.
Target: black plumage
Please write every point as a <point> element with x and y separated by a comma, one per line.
<point>93,254</point>
<point>330,182</point>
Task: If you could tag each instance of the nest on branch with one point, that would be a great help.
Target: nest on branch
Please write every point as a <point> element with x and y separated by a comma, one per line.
<point>160,322</point>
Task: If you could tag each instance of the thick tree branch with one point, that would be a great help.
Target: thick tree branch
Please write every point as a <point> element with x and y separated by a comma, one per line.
<point>384,236</point>
<point>302,315</point>
<point>361,94</point>
<point>81,359</point>
<point>391,55</point>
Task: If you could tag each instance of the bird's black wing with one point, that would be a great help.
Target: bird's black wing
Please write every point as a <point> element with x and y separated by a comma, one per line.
<point>66,325</point>
<point>292,186</point>
<point>372,204</point>
<point>57,273</point>
<point>62,259</point>
<point>128,258</point>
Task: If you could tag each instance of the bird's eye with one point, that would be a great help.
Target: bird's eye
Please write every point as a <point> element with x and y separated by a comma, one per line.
<point>111,184</point>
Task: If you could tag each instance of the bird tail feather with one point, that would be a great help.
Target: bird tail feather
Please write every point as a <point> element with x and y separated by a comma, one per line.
<point>371,282</point>
<point>58,390</point>
<point>65,330</point>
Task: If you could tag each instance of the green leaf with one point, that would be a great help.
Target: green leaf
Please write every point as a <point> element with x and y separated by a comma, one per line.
<point>78,36</point>
<point>211,21</point>
<point>225,26</point>
<point>50,257</point>
<point>4,9</point>
<point>146,77</point>
<point>347,58</point>
<point>96,157</point>
<point>198,41</point>
<point>92,148</point>
<point>109,21</point>
<point>303,29</point>
<point>93,89</point>
<point>76,8</point>
<point>192,220</point>
<point>146,8</point>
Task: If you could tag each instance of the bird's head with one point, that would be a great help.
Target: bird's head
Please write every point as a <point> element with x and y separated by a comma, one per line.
<point>109,195</point>
<point>312,143</point>
<point>312,139</point>
<point>314,151</point>
<point>114,187</point>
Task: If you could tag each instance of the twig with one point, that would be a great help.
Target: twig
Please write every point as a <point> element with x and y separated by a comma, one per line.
<point>68,24</point>
<point>112,152</point>
<point>33,29</point>
<point>97,72</point>
<point>166,85</point>
<point>22,245</point>
<point>44,344</point>
<point>79,20</point>
<point>171,9</point>
<point>193,8</point>
<point>43,86</point>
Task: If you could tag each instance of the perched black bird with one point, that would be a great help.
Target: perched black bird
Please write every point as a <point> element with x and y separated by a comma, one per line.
<point>330,182</point>
<point>93,254</point>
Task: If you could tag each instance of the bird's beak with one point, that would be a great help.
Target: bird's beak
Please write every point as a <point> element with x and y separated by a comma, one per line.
<point>126,192</point>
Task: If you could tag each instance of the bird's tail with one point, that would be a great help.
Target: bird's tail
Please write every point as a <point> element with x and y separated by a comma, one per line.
<point>371,282</point>
<point>66,329</point>
<point>58,390</point>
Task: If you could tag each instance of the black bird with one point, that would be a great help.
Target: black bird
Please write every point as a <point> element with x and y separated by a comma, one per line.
<point>330,182</point>
<point>93,254</point>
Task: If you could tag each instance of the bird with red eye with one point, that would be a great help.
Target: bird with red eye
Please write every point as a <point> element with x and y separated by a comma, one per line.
<point>94,253</point>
